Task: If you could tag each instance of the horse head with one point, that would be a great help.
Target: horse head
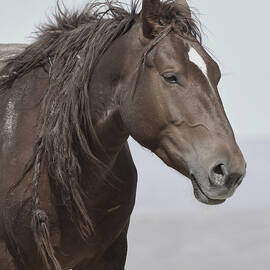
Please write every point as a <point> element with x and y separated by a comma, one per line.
<point>175,109</point>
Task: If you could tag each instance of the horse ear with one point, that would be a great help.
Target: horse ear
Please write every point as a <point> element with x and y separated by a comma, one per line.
<point>183,4</point>
<point>150,17</point>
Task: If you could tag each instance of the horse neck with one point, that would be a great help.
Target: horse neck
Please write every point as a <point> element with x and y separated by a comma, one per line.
<point>109,85</point>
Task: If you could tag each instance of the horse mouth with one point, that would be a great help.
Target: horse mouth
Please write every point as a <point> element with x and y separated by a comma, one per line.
<point>201,196</point>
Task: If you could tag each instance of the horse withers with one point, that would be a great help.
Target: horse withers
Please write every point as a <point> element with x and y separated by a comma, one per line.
<point>68,104</point>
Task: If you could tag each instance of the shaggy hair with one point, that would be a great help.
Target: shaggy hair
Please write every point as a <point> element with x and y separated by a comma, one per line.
<point>69,48</point>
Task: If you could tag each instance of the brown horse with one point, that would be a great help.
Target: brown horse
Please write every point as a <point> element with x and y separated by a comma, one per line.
<point>68,104</point>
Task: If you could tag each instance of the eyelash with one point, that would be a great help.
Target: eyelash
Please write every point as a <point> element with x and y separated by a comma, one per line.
<point>170,78</point>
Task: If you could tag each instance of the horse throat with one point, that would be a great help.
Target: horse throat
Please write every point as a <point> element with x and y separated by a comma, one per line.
<point>112,133</point>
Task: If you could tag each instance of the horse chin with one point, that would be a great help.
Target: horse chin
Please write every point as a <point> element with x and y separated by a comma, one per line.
<point>202,197</point>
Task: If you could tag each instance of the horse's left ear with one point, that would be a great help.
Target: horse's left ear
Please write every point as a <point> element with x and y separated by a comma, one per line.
<point>150,17</point>
<point>183,5</point>
<point>151,14</point>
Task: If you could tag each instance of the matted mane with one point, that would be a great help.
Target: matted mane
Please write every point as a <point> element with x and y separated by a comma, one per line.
<point>69,48</point>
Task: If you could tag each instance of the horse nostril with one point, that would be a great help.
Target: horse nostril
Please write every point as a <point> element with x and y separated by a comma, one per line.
<point>220,176</point>
<point>217,175</point>
<point>239,181</point>
<point>235,179</point>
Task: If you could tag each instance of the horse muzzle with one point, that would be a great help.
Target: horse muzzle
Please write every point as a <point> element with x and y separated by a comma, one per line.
<point>219,185</point>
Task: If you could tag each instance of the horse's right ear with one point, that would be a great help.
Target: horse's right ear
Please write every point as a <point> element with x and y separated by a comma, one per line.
<point>150,17</point>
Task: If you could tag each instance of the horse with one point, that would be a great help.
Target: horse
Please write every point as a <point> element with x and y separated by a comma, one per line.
<point>69,102</point>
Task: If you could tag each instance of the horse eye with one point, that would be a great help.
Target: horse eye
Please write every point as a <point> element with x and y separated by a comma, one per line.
<point>170,78</point>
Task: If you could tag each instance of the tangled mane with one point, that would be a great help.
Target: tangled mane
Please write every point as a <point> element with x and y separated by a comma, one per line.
<point>69,48</point>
